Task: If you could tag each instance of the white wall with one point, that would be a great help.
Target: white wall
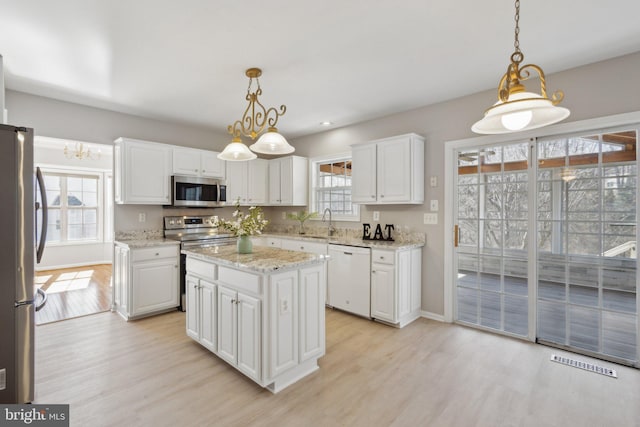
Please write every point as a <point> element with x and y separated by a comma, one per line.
<point>596,90</point>
<point>58,119</point>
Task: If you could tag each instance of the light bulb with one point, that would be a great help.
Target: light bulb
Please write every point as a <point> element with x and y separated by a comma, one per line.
<point>516,121</point>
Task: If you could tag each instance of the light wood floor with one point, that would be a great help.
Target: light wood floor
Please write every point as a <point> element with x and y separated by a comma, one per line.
<point>74,292</point>
<point>148,373</point>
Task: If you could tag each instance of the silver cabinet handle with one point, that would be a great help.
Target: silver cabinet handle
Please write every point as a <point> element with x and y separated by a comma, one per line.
<point>157,253</point>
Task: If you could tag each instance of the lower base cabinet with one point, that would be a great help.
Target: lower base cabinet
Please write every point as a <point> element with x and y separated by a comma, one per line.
<point>268,326</point>
<point>146,280</point>
<point>396,285</point>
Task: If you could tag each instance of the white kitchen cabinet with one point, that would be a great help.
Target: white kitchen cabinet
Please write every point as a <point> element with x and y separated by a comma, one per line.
<point>303,246</point>
<point>269,326</point>
<point>147,280</point>
<point>239,331</point>
<point>389,171</point>
<point>201,311</point>
<point>396,285</point>
<point>142,172</point>
<point>288,181</point>
<point>248,182</point>
<point>194,162</point>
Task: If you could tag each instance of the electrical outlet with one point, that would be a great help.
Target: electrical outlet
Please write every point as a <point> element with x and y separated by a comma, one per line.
<point>433,205</point>
<point>284,215</point>
<point>434,181</point>
<point>376,216</point>
<point>285,307</point>
<point>431,219</point>
<point>142,217</point>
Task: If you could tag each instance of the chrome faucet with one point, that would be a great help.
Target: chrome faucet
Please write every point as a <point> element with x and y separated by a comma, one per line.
<point>331,228</point>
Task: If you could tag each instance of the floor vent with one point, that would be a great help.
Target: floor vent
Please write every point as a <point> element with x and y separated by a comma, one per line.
<point>584,365</point>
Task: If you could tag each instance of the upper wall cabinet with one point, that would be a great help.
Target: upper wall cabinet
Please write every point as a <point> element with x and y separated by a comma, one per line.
<point>288,181</point>
<point>142,172</point>
<point>389,171</point>
<point>247,182</point>
<point>194,162</point>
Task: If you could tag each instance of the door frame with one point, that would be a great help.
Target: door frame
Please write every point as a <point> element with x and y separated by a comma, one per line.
<point>450,148</point>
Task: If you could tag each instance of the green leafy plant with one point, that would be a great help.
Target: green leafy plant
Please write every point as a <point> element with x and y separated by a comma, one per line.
<point>302,216</point>
<point>244,224</point>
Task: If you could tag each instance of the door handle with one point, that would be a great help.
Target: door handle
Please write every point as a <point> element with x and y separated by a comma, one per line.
<point>45,216</point>
<point>456,235</point>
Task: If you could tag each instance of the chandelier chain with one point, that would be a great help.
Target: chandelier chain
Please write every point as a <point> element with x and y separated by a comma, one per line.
<point>516,43</point>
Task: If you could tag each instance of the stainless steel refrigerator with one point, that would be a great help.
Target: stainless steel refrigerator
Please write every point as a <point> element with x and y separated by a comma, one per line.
<point>22,237</point>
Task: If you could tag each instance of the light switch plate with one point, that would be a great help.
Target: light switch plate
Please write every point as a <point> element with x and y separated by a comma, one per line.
<point>376,215</point>
<point>433,205</point>
<point>434,181</point>
<point>431,219</point>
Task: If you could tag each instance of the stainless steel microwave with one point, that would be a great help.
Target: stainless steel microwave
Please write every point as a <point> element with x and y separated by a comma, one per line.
<point>196,192</point>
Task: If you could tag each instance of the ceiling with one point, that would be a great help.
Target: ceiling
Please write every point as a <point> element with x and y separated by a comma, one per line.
<point>335,60</point>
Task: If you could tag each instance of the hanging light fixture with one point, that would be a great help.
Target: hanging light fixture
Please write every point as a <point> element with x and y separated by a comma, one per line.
<point>80,153</point>
<point>253,122</point>
<point>516,109</point>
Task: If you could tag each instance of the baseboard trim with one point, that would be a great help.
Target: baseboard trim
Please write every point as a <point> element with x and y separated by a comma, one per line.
<point>80,264</point>
<point>432,316</point>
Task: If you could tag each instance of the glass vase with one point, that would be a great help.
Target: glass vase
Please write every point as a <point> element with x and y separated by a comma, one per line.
<point>244,245</point>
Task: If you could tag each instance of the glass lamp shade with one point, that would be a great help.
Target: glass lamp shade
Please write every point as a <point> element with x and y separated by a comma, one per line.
<point>272,142</point>
<point>236,151</point>
<point>523,111</point>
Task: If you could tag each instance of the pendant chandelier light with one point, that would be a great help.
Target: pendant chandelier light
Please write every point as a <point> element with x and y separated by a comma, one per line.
<point>80,153</point>
<point>516,109</point>
<point>253,122</point>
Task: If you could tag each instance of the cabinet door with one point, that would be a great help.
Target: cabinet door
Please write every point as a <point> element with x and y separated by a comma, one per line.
<point>286,181</point>
<point>382,292</point>
<point>155,286</point>
<point>394,171</point>
<point>249,332</point>
<point>207,315</point>
<point>211,166</point>
<point>283,319</point>
<point>311,312</point>
<point>186,161</point>
<point>274,182</point>
<point>193,307</point>
<point>147,170</point>
<point>227,325</point>
<point>404,283</point>
<point>258,183</point>
<point>363,178</point>
<point>236,182</point>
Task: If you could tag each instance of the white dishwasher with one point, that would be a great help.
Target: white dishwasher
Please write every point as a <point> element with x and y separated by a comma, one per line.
<point>349,280</point>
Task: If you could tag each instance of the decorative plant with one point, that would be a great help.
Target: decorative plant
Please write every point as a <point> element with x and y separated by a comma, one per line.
<point>302,216</point>
<point>244,224</point>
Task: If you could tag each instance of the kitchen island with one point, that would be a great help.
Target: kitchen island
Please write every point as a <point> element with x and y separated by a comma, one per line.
<point>263,313</point>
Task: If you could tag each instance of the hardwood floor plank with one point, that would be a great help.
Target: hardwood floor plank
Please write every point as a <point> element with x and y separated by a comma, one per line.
<point>74,292</point>
<point>149,373</point>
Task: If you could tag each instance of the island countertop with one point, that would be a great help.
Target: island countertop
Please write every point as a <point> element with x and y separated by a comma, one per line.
<point>262,260</point>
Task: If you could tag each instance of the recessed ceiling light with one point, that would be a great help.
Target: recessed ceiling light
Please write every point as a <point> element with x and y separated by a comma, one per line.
<point>326,123</point>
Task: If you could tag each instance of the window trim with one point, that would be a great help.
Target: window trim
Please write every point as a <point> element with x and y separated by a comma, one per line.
<point>313,162</point>
<point>100,176</point>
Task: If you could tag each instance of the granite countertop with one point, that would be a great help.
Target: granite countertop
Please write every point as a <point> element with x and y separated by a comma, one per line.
<point>262,260</point>
<point>349,241</point>
<point>147,242</point>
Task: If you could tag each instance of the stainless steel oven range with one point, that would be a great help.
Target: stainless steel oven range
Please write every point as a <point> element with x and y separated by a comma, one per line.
<point>193,231</point>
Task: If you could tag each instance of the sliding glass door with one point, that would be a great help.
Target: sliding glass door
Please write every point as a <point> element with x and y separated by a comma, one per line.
<point>587,256</point>
<point>546,241</point>
<point>492,238</point>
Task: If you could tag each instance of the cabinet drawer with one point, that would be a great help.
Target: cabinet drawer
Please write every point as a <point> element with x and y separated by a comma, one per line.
<point>201,268</point>
<point>239,280</point>
<point>382,257</point>
<point>146,254</point>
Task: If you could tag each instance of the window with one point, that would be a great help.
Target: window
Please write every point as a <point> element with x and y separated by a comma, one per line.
<point>74,206</point>
<point>331,187</point>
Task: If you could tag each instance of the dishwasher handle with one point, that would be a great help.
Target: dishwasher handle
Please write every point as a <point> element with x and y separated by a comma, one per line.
<point>348,253</point>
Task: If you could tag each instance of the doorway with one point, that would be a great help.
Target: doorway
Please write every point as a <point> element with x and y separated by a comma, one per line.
<point>574,284</point>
